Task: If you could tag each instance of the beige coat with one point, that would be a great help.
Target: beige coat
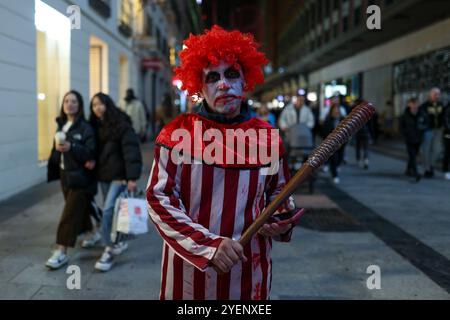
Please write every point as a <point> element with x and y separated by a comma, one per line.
<point>136,111</point>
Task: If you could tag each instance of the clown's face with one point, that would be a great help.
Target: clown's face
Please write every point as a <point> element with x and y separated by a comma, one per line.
<point>223,87</point>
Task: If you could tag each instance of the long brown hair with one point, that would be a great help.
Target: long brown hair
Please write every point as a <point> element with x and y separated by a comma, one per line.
<point>114,119</point>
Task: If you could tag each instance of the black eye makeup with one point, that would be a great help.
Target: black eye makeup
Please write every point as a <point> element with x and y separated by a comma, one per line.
<point>232,73</point>
<point>212,77</point>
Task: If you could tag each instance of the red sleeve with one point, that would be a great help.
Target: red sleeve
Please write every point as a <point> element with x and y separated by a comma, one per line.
<point>190,240</point>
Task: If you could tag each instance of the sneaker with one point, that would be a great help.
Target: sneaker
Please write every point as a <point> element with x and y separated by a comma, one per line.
<point>57,260</point>
<point>447,176</point>
<point>366,164</point>
<point>336,180</point>
<point>90,240</point>
<point>118,248</point>
<point>106,261</point>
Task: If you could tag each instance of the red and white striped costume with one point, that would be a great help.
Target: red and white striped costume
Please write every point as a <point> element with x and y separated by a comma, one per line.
<point>193,206</point>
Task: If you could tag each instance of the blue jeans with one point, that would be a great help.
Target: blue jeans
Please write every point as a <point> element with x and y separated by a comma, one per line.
<point>432,145</point>
<point>111,192</point>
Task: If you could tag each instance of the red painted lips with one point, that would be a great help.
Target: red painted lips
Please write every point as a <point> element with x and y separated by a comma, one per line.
<point>226,97</point>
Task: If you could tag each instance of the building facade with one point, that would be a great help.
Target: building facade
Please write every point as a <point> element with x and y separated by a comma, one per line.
<point>326,46</point>
<point>51,46</point>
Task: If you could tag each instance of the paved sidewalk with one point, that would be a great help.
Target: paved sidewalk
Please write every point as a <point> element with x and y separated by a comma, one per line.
<point>408,237</point>
<point>26,241</point>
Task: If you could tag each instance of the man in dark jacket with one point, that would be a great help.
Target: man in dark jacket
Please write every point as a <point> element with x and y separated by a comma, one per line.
<point>432,140</point>
<point>412,125</point>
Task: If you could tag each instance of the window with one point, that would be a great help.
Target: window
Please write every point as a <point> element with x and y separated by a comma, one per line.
<point>98,66</point>
<point>138,17</point>
<point>126,17</point>
<point>53,62</point>
<point>103,7</point>
<point>123,75</point>
<point>126,12</point>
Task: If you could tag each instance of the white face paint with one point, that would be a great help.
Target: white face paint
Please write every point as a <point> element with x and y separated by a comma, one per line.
<point>223,88</point>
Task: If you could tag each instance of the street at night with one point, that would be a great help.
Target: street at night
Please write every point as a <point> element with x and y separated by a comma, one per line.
<point>264,151</point>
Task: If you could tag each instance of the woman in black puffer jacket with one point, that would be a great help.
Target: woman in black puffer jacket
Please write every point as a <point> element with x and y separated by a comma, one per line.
<point>74,146</point>
<point>118,165</point>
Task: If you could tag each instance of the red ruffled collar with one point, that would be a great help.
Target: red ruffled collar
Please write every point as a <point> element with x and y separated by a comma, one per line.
<point>195,147</point>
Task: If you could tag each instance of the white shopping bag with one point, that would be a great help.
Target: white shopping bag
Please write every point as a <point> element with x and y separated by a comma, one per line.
<point>131,215</point>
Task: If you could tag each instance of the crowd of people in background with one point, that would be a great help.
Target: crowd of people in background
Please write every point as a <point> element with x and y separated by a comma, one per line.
<point>301,118</point>
<point>427,127</point>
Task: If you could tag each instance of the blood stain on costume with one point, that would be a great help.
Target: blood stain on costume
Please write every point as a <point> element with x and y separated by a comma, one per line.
<point>256,260</point>
<point>257,295</point>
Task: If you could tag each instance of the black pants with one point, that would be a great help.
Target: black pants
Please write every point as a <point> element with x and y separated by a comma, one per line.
<point>362,142</point>
<point>75,217</point>
<point>413,151</point>
<point>446,163</point>
<point>335,161</point>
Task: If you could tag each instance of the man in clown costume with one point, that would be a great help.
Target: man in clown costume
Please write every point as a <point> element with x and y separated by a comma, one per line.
<point>201,208</point>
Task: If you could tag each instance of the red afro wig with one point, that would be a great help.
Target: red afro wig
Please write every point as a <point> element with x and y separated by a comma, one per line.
<point>217,44</point>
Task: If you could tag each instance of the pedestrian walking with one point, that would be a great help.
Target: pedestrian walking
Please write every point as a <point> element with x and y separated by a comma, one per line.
<point>135,110</point>
<point>413,124</point>
<point>362,138</point>
<point>118,166</point>
<point>264,113</point>
<point>335,100</point>
<point>296,112</point>
<point>446,162</point>
<point>331,122</point>
<point>432,140</point>
<point>73,147</point>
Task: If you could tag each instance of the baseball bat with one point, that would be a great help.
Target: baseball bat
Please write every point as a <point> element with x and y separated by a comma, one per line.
<point>357,118</point>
